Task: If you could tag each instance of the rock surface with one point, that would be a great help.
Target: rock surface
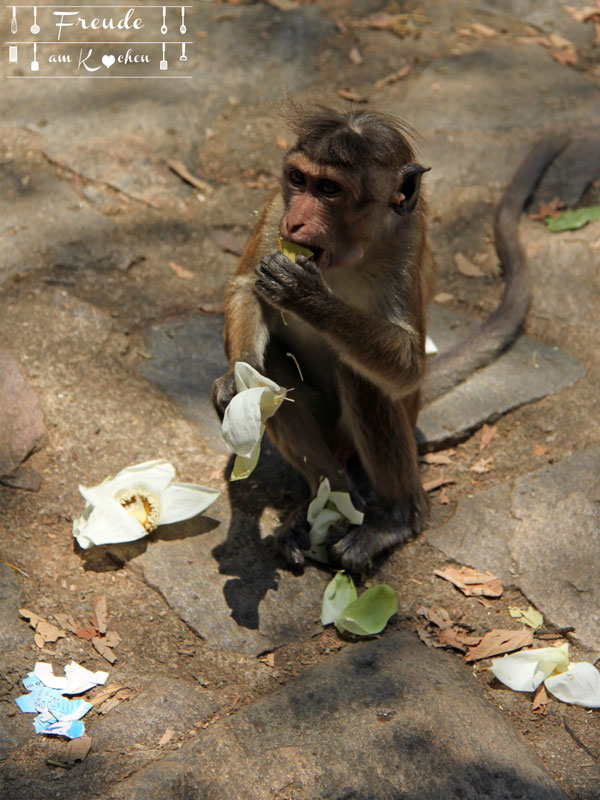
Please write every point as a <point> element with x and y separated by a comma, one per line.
<point>542,535</point>
<point>385,719</point>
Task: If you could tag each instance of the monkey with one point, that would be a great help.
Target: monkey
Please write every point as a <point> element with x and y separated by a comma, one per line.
<point>353,317</point>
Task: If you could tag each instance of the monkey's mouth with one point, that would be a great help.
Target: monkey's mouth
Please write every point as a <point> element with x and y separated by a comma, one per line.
<point>317,253</point>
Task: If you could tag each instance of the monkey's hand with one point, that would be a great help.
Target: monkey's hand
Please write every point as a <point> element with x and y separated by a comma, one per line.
<point>222,392</point>
<point>290,286</point>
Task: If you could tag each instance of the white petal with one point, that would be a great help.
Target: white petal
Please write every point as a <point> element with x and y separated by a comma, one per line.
<point>343,502</point>
<point>152,476</point>
<point>242,423</point>
<point>246,377</point>
<point>579,685</point>
<point>430,347</point>
<point>525,670</point>
<point>242,467</point>
<point>317,504</point>
<point>184,500</point>
<point>108,523</point>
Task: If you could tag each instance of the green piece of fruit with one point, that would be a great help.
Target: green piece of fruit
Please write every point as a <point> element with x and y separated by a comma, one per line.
<point>292,250</point>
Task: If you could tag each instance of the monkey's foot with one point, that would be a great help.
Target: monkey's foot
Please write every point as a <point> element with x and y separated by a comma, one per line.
<point>292,537</point>
<point>382,530</point>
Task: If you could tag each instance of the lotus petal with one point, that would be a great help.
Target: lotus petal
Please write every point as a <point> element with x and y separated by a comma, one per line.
<point>338,594</point>
<point>370,613</point>
<point>525,670</point>
<point>579,685</point>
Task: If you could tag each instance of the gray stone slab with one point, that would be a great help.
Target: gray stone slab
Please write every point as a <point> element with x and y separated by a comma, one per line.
<point>542,535</point>
<point>164,703</point>
<point>386,719</point>
<point>528,371</point>
<point>186,357</point>
<point>13,633</point>
<point>228,584</point>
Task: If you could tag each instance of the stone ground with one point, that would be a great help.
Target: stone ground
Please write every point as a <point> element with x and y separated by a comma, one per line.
<point>231,687</point>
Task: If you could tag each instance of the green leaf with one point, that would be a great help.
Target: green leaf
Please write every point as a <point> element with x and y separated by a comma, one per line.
<point>339,593</point>
<point>370,613</point>
<point>572,220</point>
<point>531,617</point>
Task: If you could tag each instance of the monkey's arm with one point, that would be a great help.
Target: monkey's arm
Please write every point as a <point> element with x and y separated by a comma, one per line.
<point>388,354</point>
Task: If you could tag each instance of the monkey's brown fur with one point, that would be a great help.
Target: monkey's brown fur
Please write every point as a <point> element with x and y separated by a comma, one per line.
<point>353,316</point>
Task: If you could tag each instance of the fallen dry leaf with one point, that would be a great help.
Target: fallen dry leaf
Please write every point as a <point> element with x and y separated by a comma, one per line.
<point>211,309</point>
<point>44,631</point>
<point>551,209</point>
<point>472,582</point>
<point>540,700</point>
<point>67,622</point>
<point>268,659</point>
<point>166,737</point>
<point>484,30</point>
<point>100,613</point>
<point>104,650</point>
<point>86,633</point>
<point>181,272</point>
<point>113,702</point>
<point>393,77</point>
<point>112,638</point>
<point>482,466</point>
<point>180,169</point>
<point>355,57</point>
<point>77,749</point>
<point>105,693</point>
<point>439,617</point>
<point>487,434</point>
<point>466,267</point>
<point>352,95</point>
<point>565,55</point>
<point>458,638</point>
<point>430,486</point>
<point>583,14</point>
<point>539,450</point>
<point>498,642</point>
<point>438,458</point>
<point>281,143</point>
<point>443,297</point>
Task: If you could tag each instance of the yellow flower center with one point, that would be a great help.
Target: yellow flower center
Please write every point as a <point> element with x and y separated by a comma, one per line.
<point>143,507</point>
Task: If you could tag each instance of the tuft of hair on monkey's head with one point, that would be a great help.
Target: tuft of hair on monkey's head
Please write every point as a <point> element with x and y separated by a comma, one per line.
<point>352,139</point>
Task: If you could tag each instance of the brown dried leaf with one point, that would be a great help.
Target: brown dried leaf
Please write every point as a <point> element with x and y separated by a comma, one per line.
<point>104,650</point>
<point>487,434</point>
<point>44,631</point>
<point>565,55</point>
<point>77,749</point>
<point>104,693</point>
<point>498,642</point>
<point>113,702</point>
<point>268,659</point>
<point>583,14</point>
<point>352,95</point>
<point>181,272</point>
<point>472,582</point>
<point>540,700</point>
<point>539,450</point>
<point>211,309</point>
<point>180,169</point>
<point>166,737</point>
<point>393,77</point>
<point>430,486</point>
<point>67,622</point>
<point>466,267</point>
<point>443,297</point>
<point>551,209</point>
<point>86,633</point>
<point>484,30</point>
<point>281,143</point>
<point>458,638</point>
<point>100,613</point>
<point>482,466</point>
<point>438,458</point>
<point>355,57</point>
<point>112,638</point>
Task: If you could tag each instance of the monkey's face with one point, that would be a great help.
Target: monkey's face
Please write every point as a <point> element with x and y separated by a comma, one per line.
<point>340,214</point>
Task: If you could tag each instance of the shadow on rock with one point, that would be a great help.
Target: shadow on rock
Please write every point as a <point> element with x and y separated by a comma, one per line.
<point>254,561</point>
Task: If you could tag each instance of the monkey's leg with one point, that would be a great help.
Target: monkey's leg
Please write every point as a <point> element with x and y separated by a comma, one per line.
<point>384,439</point>
<point>302,432</point>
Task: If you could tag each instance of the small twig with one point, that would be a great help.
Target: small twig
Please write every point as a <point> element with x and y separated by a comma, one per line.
<point>577,740</point>
<point>18,569</point>
<point>52,763</point>
<point>554,631</point>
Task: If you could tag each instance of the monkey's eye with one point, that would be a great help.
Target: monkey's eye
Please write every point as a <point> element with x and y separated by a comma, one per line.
<point>297,178</point>
<point>329,188</point>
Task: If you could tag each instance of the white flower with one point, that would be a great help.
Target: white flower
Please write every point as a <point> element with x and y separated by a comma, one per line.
<point>257,399</point>
<point>135,502</point>
<point>326,509</point>
<point>577,683</point>
<point>431,348</point>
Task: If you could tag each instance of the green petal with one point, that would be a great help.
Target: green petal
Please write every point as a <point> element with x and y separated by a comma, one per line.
<point>370,613</point>
<point>572,220</point>
<point>339,593</point>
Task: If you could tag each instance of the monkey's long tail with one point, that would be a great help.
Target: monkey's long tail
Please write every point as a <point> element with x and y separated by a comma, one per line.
<point>483,345</point>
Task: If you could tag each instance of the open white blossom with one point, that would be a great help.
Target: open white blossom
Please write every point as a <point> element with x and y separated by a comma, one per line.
<point>325,510</point>
<point>257,399</point>
<point>577,683</point>
<point>135,502</point>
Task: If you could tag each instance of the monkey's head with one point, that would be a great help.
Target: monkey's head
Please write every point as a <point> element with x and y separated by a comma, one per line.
<point>350,183</point>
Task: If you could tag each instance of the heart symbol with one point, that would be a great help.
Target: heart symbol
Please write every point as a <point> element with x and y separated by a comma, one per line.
<point>108,61</point>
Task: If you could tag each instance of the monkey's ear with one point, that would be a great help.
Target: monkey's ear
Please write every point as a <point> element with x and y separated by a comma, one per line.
<point>404,199</point>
